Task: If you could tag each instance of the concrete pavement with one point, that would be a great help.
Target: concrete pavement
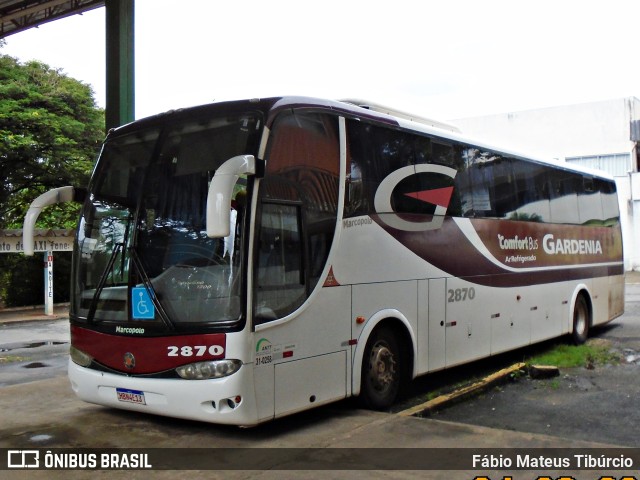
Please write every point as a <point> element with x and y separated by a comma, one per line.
<point>26,314</point>
<point>46,414</point>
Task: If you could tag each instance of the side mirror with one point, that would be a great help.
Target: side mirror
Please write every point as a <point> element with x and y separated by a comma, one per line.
<point>56,195</point>
<point>221,190</point>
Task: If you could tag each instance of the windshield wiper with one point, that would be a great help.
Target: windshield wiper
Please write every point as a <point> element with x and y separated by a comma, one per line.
<point>103,280</point>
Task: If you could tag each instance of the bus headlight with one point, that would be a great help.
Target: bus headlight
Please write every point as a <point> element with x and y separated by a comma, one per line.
<point>206,370</point>
<point>79,357</point>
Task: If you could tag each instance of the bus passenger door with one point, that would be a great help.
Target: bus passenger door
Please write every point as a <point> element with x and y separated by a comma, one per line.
<point>302,324</point>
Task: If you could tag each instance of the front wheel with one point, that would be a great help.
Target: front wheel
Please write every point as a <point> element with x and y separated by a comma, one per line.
<point>381,370</point>
<point>581,320</point>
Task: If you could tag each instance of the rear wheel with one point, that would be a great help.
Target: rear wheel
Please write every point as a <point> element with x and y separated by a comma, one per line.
<point>581,320</point>
<point>381,370</point>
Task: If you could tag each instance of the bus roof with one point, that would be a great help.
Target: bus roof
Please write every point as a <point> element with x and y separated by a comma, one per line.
<point>362,109</point>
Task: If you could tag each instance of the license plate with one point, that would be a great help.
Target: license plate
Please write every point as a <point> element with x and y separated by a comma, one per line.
<point>130,396</point>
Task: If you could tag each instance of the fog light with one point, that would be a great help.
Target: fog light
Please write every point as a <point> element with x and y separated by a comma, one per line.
<point>206,370</point>
<point>79,357</point>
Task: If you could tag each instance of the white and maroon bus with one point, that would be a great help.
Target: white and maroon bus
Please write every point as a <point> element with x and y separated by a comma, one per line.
<point>241,261</point>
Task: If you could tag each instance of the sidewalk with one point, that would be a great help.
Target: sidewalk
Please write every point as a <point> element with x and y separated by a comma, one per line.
<point>26,314</point>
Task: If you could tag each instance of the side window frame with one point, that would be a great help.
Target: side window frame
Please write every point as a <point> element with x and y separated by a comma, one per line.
<point>269,272</point>
<point>302,170</point>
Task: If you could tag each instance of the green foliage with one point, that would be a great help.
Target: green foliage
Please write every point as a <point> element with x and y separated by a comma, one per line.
<point>50,130</point>
<point>569,356</point>
<point>50,133</point>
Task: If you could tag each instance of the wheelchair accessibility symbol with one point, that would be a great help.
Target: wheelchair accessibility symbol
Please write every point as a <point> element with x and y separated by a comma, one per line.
<point>141,304</point>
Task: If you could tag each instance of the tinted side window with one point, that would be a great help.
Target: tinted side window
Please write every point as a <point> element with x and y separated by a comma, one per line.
<point>565,186</point>
<point>589,202</point>
<point>532,192</point>
<point>610,209</point>
<point>502,188</point>
<point>476,182</point>
<point>374,152</point>
<point>447,154</point>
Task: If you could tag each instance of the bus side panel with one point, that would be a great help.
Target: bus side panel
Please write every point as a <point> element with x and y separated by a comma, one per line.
<point>378,301</point>
<point>510,320</point>
<point>432,346</point>
<point>599,289</point>
<point>468,328</point>
<point>367,254</point>
<point>313,343</point>
<point>616,296</point>
<point>547,310</point>
<point>607,297</point>
<point>264,383</point>
<point>310,382</point>
<point>422,358</point>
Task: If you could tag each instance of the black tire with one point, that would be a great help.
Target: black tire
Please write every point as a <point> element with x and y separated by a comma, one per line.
<point>381,370</point>
<point>581,320</point>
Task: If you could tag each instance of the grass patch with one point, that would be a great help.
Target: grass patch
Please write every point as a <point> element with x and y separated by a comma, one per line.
<point>588,355</point>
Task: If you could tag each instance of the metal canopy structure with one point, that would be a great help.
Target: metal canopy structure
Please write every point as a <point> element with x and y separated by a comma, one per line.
<point>19,15</point>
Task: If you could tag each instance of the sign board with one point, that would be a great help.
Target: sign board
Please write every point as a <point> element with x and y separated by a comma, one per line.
<point>44,241</point>
<point>48,241</point>
<point>141,304</point>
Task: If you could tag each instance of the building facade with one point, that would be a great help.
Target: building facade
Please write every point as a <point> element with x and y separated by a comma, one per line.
<point>601,135</point>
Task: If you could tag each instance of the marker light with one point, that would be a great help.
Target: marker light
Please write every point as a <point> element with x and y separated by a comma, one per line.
<point>79,357</point>
<point>206,370</point>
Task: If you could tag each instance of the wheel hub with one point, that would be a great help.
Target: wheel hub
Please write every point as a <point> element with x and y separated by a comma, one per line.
<point>382,371</point>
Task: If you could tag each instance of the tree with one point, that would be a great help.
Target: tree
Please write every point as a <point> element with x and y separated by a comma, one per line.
<point>50,132</point>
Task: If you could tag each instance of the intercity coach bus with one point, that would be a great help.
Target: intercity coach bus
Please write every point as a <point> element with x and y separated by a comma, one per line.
<point>241,261</point>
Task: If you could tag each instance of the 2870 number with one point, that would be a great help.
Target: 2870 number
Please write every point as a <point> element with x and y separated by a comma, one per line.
<point>195,351</point>
<point>461,294</point>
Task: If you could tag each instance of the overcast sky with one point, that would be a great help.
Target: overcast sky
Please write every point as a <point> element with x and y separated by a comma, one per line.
<point>444,59</point>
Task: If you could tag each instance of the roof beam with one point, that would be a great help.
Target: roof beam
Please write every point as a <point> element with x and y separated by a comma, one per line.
<point>15,17</point>
<point>31,10</point>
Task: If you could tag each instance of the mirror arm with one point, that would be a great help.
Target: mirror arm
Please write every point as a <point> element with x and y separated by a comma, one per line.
<point>221,191</point>
<point>56,195</point>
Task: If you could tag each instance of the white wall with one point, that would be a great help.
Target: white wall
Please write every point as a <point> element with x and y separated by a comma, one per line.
<point>559,132</point>
<point>633,205</point>
<point>629,227</point>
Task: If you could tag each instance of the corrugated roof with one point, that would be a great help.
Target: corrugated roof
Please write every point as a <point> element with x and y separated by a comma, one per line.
<point>19,15</point>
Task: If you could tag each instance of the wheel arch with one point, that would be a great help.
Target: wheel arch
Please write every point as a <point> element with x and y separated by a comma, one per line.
<point>396,321</point>
<point>584,290</point>
<point>581,289</point>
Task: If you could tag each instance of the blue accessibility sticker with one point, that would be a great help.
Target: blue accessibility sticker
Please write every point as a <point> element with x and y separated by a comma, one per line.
<point>141,305</point>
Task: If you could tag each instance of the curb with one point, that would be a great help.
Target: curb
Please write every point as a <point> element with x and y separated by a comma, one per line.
<point>33,313</point>
<point>443,401</point>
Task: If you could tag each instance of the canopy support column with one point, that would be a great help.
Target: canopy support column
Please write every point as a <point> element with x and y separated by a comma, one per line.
<point>120,58</point>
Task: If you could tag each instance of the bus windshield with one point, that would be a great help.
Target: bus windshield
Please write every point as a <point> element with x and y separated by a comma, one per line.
<point>143,255</point>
